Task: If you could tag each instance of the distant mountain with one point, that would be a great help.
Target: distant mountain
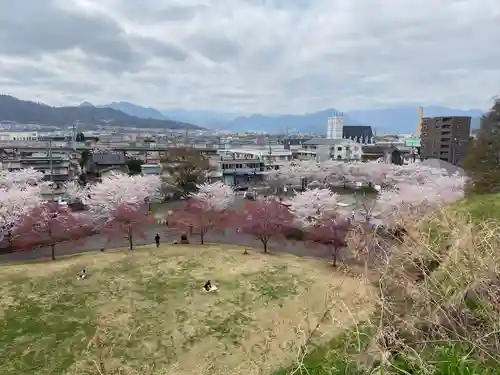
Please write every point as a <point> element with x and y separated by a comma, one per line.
<point>21,111</point>
<point>383,120</point>
<point>136,110</point>
<point>404,119</point>
<point>387,120</point>
<point>200,117</point>
<point>308,123</point>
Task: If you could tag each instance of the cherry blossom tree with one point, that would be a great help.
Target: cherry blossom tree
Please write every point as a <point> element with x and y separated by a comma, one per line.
<point>16,204</point>
<point>330,230</point>
<point>207,209</point>
<point>312,204</point>
<point>421,195</point>
<point>399,188</point>
<point>216,196</point>
<point>303,172</point>
<point>264,219</point>
<point>316,211</point>
<point>50,224</point>
<point>21,178</point>
<point>119,203</point>
<point>19,195</point>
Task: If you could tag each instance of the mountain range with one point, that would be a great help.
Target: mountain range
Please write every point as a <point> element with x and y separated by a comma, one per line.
<point>384,120</point>
<point>26,112</point>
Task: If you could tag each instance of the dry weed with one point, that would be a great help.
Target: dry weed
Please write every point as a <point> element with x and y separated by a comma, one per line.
<point>440,284</point>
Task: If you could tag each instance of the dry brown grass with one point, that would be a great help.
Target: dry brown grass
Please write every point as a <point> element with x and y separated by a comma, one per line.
<point>144,312</point>
<point>440,286</point>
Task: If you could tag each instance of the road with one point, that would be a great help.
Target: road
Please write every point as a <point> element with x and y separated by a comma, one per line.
<point>97,242</point>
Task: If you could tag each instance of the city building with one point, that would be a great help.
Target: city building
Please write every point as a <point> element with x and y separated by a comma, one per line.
<point>335,126</point>
<point>18,136</point>
<point>56,167</point>
<point>273,156</point>
<point>359,133</point>
<point>151,169</point>
<point>445,138</point>
<point>419,121</point>
<point>237,169</point>
<point>103,162</point>
<point>388,153</point>
<point>324,149</point>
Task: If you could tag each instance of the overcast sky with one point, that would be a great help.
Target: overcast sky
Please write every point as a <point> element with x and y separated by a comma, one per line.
<point>254,56</point>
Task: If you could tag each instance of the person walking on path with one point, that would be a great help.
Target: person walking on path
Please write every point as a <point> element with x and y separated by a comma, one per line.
<point>157,240</point>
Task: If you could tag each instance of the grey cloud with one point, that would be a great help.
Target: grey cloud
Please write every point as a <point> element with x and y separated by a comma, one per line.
<point>160,49</point>
<point>72,86</point>
<point>217,49</point>
<point>26,74</point>
<point>36,28</point>
<point>152,10</point>
<point>181,13</point>
<point>28,27</point>
<point>259,55</point>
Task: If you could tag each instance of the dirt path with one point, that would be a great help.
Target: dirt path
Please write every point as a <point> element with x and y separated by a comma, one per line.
<point>97,242</point>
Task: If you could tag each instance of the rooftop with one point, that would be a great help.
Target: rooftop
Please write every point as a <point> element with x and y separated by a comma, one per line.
<point>326,142</point>
<point>108,158</point>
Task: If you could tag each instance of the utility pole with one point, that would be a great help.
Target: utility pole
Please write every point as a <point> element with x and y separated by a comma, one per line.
<point>51,168</point>
<point>73,135</point>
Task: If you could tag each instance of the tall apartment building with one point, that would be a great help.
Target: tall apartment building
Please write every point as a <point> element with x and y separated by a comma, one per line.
<point>445,138</point>
<point>335,126</point>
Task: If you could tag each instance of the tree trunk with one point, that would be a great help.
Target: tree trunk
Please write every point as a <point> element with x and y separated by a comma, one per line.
<point>202,236</point>
<point>52,245</point>
<point>335,253</point>
<point>130,243</point>
<point>264,242</point>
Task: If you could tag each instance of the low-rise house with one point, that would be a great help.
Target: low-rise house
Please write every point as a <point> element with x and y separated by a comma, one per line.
<point>151,169</point>
<point>100,163</point>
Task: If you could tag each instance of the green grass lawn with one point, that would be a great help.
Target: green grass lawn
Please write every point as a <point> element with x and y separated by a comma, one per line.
<point>144,311</point>
<point>481,207</point>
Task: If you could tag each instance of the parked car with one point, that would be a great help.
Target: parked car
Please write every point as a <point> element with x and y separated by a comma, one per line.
<point>248,195</point>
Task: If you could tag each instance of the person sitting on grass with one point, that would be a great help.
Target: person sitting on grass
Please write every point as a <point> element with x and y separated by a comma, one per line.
<point>208,287</point>
<point>82,274</point>
<point>184,239</point>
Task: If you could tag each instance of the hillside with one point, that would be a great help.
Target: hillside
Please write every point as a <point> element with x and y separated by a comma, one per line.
<point>136,110</point>
<point>26,112</point>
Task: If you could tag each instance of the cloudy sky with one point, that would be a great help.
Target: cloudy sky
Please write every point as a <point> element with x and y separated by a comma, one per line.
<point>254,56</point>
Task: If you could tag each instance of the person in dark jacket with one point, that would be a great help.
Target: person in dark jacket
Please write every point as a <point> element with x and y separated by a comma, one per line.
<point>157,240</point>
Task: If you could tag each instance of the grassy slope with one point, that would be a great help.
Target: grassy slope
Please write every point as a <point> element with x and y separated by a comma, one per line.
<point>144,312</point>
<point>482,207</point>
<point>340,355</point>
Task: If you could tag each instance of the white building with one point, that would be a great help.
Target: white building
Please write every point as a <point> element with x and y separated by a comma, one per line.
<point>236,170</point>
<point>19,136</point>
<point>272,156</point>
<point>335,127</point>
<point>325,149</point>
